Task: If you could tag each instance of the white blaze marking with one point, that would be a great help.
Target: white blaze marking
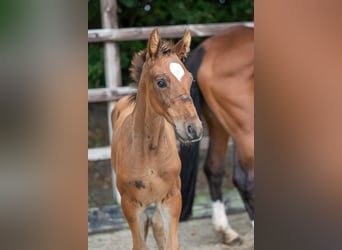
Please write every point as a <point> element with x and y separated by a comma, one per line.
<point>177,70</point>
<point>253,223</point>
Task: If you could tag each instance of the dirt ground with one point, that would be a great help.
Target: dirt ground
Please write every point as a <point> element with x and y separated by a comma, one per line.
<point>193,235</point>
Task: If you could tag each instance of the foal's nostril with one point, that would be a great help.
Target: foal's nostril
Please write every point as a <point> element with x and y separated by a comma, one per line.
<point>191,131</point>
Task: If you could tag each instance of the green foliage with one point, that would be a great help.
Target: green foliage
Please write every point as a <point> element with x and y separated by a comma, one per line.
<point>140,13</point>
<point>96,76</point>
<point>94,14</point>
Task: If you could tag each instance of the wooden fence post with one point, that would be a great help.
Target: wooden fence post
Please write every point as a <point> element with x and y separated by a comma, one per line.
<point>112,66</point>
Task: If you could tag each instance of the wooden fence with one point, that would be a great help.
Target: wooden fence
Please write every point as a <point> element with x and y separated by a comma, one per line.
<point>110,34</point>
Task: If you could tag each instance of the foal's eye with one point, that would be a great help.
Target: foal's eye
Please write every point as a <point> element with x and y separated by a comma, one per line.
<point>161,83</point>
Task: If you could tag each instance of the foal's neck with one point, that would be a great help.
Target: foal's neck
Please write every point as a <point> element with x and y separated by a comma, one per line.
<point>148,126</point>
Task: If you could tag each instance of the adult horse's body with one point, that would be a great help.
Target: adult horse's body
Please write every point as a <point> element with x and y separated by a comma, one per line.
<point>223,93</point>
<point>144,151</point>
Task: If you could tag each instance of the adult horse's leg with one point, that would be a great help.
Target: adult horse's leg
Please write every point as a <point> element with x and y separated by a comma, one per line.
<point>189,155</point>
<point>243,179</point>
<point>137,220</point>
<point>214,171</point>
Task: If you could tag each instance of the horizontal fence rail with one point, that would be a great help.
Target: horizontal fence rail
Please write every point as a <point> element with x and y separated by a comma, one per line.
<point>109,94</point>
<point>99,154</point>
<point>172,31</point>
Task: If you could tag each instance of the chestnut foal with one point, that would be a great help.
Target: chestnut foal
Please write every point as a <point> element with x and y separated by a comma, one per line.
<point>144,150</point>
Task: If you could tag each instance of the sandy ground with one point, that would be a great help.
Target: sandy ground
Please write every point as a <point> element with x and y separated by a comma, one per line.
<point>193,235</point>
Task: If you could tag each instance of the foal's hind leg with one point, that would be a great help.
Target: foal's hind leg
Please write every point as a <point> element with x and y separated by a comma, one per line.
<point>214,171</point>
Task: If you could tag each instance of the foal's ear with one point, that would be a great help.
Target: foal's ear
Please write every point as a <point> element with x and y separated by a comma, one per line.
<point>153,43</point>
<point>182,48</point>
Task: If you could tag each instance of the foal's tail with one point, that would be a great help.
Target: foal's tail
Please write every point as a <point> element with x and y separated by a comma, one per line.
<point>189,154</point>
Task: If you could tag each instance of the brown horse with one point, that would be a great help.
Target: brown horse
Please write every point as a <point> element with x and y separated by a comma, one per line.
<point>145,129</point>
<point>223,93</point>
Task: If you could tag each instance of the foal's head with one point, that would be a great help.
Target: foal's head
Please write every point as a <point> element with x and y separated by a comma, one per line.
<point>166,83</point>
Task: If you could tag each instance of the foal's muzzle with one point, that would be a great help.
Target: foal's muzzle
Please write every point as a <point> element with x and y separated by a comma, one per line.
<point>192,133</point>
<point>189,132</point>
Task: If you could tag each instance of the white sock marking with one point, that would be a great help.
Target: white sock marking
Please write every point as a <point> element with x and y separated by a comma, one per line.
<point>219,219</point>
<point>253,223</point>
<point>177,70</point>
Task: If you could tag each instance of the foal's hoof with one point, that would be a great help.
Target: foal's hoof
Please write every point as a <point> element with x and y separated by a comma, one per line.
<point>234,242</point>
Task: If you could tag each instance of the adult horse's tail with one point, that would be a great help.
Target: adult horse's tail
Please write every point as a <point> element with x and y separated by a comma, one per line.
<point>189,154</point>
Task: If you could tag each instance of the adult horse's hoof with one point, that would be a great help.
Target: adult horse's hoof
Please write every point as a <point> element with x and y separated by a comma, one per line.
<point>233,242</point>
<point>231,237</point>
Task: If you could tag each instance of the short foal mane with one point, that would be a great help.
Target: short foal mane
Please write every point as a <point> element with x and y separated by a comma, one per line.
<point>165,48</point>
<point>139,59</point>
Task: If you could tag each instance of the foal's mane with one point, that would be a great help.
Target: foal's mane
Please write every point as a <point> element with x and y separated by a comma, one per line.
<point>165,48</point>
<point>137,63</point>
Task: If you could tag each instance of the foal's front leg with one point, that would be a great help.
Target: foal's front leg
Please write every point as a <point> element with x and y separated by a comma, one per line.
<point>137,220</point>
<point>171,209</point>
